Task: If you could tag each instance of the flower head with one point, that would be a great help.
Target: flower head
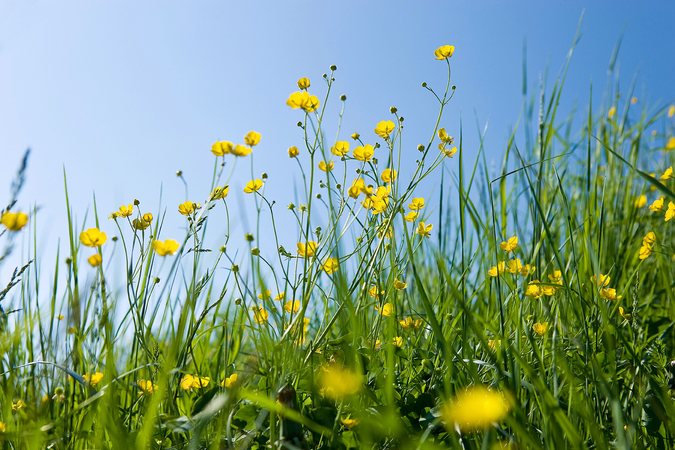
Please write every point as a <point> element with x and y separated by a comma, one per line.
<point>411,216</point>
<point>13,221</point>
<point>609,294</point>
<point>388,175</point>
<point>93,237</point>
<point>384,128</point>
<point>252,138</point>
<point>640,201</point>
<point>612,112</point>
<point>510,245</point>
<point>449,152</point>
<point>188,207</point>
<point>349,423</point>
<point>670,145</point>
<point>364,153</point>
<point>260,315</point>
<point>416,204</point>
<point>125,211</point>
<point>400,285</point>
<point>241,150</point>
<point>229,381</point>
<point>386,310</point>
<point>95,260</point>
<point>293,152</point>
<point>540,328</point>
<point>340,148</point>
<point>253,186</point>
<point>424,230</point>
<point>668,173</point>
<point>601,280</point>
<point>534,289</point>
<point>670,213</point>
<point>498,269</point>
<point>222,148</point>
<point>338,381</point>
<point>326,167</point>
<point>309,103</point>
<point>168,247</point>
<point>292,306</point>
<point>220,192</point>
<point>308,250</point>
<point>303,83</point>
<point>191,382</point>
<point>476,408</point>
<point>657,205</point>
<point>444,52</point>
<point>331,265</point>
<point>671,111</point>
<point>146,387</point>
<point>514,266</point>
<point>625,314</point>
<point>355,135</point>
<point>409,324</point>
<point>94,379</point>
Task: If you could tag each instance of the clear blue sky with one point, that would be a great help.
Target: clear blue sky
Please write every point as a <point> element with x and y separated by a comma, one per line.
<point>123,94</point>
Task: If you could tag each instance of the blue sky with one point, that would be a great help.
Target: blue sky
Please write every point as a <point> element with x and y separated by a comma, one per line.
<point>123,94</point>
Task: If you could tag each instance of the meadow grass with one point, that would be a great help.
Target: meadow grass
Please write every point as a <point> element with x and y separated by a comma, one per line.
<point>533,309</point>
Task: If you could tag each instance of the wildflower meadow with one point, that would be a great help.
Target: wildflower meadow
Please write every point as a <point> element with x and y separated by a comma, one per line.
<point>526,307</point>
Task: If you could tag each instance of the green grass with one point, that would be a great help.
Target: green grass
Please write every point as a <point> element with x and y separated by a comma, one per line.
<point>596,377</point>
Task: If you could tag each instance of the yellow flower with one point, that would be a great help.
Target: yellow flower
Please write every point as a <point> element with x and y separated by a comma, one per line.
<point>303,83</point>
<point>17,405</point>
<point>190,382</point>
<point>280,297</point>
<point>649,238</point>
<point>261,315</point>
<point>388,175</point>
<point>498,269</point>
<point>331,265</point>
<point>93,238</point>
<point>525,270</point>
<point>444,52</point>
<point>444,137</point>
<point>60,317</point>
<point>611,112</point>
<point>601,280</point>
<point>534,289</point>
<point>386,310</point>
<point>668,173</point>
<point>540,328</point>
<point>340,148</point>
<point>510,245</point>
<point>411,216</point>
<point>373,292</point>
<point>670,145</point>
<point>293,152</point>
<point>397,341</point>
<point>384,128</point>
<point>514,266</point>
<point>670,213</point>
<point>671,110</point>
<point>95,260</point>
<point>94,379</point>
<point>253,186</point>
<point>187,208</point>
<point>168,247</point>
<point>494,344</point>
<point>125,211</point>
<point>410,324</point>
<point>556,276</point>
<point>640,201</point>
<point>222,148</point>
<point>140,224</point>
<point>424,230</point>
<point>324,167</point>
<point>229,381</point>
<point>265,294</point>
<point>3,427</point>
<point>220,192</point>
<point>400,285</point>
<point>14,221</point>
<point>609,294</point>
<point>349,423</point>
<point>241,150</point>
<point>146,387</point>
<point>309,103</point>
<point>657,205</point>
<point>364,153</point>
<point>338,381</point>
<point>449,152</point>
<point>252,138</point>
<point>417,204</point>
<point>292,306</point>
<point>624,313</point>
<point>355,135</point>
<point>308,250</point>
<point>476,408</point>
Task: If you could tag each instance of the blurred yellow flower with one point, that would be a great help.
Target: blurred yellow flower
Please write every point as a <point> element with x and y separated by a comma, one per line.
<point>13,221</point>
<point>324,167</point>
<point>514,266</point>
<point>280,297</point>
<point>540,328</point>
<point>416,204</point>
<point>449,152</point>
<point>498,269</point>
<point>397,341</point>
<point>95,260</point>
<point>476,408</point>
<point>657,205</point>
<point>293,151</point>
<point>411,216</point>
<point>445,137</point>
<point>93,238</point>
<point>634,100</point>
<point>388,175</point>
<point>640,201</point>
<point>94,379</point>
<point>373,291</point>
<point>168,247</point>
<point>3,427</point>
<point>241,150</point>
<point>220,192</point>
<point>331,265</point>
<point>355,135</point>
<point>125,211</point>
<point>534,289</point>
<point>611,112</point>
<point>525,270</point>
<point>624,313</point>
<point>292,306</point>
<point>668,173</point>
<point>364,153</point>
<point>306,250</point>
<point>609,294</point>
<point>649,238</point>
<point>252,138</point>
<point>340,148</point>
<point>670,145</point>
<point>555,276</point>
<point>253,186</point>
<point>17,404</point>
<point>409,324</point>
<point>261,315</point>
<point>601,280</point>
<point>222,148</point>
<point>386,310</point>
<point>510,245</point>
<point>400,285</point>
<point>338,381</point>
<point>187,208</point>
<point>424,230</point>
<point>146,387</point>
<point>190,382</point>
<point>303,83</point>
<point>265,294</point>
<point>349,423</point>
<point>229,381</point>
<point>444,52</point>
<point>384,128</point>
<point>645,251</point>
<point>670,213</point>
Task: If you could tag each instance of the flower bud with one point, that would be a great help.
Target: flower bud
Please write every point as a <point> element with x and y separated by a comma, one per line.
<point>420,148</point>
<point>156,280</point>
<point>235,268</point>
<point>299,124</point>
<point>255,251</point>
<point>264,175</point>
<point>333,67</point>
<point>223,249</point>
<point>338,186</point>
<point>274,309</point>
<point>343,97</point>
<point>453,87</point>
<point>400,119</point>
<point>424,84</point>
<point>237,301</point>
<point>393,110</point>
<point>291,206</point>
<point>114,238</point>
<point>69,260</point>
<point>318,196</point>
<point>248,237</point>
<point>136,202</point>
<point>179,173</point>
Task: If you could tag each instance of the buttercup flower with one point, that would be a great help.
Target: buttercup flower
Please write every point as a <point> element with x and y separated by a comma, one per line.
<point>649,238</point>
<point>668,173</point>
<point>187,208</point>
<point>229,381</point>
<point>498,269</point>
<point>670,145</point>
<point>540,328</point>
<point>670,213</point>
<point>611,112</point>
<point>384,128</point>
<point>331,265</point>
<point>94,379</point>
<point>364,153</point>
<point>534,289</point>
<point>416,204</point>
<point>386,310</point>
<point>309,103</point>
<point>222,148</point>
<point>476,408</point>
<point>411,216</point>
<point>253,186</point>
<point>17,404</point>
<point>252,138</point>
<point>373,291</point>
<point>355,135</point>
<point>388,175</point>
<point>190,382</point>
<point>95,260</point>
<point>146,387</point>
<point>609,294</point>
<point>340,148</point>
<point>445,137</point>
<point>640,201</point>
<point>338,381</point>
<point>444,52</point>
<point>424,230</point>
<point>349,423</point>
<point>657,205</point>
<point>624,314</point>
<point>510,245</point>
<point>241,150</point>
<point>645,251</point>
<point>400,285</point>
<point>292,306</point>
<point>261,315</point>
<point>93,238</point>
<point>410,324</point>
<point>168,247</point>
<point>293,152</point>
<point>280,297</point>
<point>525,270</point>
<point>324,167</point>
<point>265,294</point>
<point>671,111</point>
<point>13,221</point>
<point>449,152</point>
<point>305,251</point>
<point>303,83</point>
<point>514,266</point>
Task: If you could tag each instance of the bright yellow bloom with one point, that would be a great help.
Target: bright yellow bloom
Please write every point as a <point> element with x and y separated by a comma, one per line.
<point>190,382</point>
<point>349,423</point>
<point>222,148</point>
<point>229,381</point>
<point>17,405</point>
<point>601,280</point>
<point>444,137</point>
<point>640,201</point>
<point>340,148</point>
<point>397,341</point>
<point>510,245</point>
<point>187,208</point>
<point>303,83</point>
<point>670,213</point>
<point>357,187</point>
<point>540,328</point>
<point>555,276</point>
<point>95,260</point>
<point>612,112</point>
<point>219,193</point>
<point>384,128</point>
<point>3,427</point>
<point>292,306</point>
<point>309,103</point>
<point>364,153</point>
<point>400,285</point>
<point>657,205</point>
<point>241,150</point>
<point>373,292</point>
<point>525,270</point>
<point>308,250</point>
<point>449,152</point>
<point>514,266</point>
<point>125,211</point>
<point>476,408</point>
<point>355,135</point>
<point>324,167</point>
<point>444,52</point>
<point>624,313</point>
<point>331,265</point>
<point>93,238</point>
<point>386,310</point>
<point>534,289</point>
<point>668,173</point>
<point>494,344</point>
<point>649,238</point>
<point>338,381</point>
<point>411,216</point>
<point>261,315</point>
<point>498,269</point>
<point>253,186</point>
<point>252,138</point>
<point>146,387</point>
<point>424,230</point>
<point>410,324</point>
<point>168,247</point>
<point>60,317</point>
<point>265,294</point>
<point>14,221</point>
<point>293,152</point>
<point>609,294</point>
<point>280,297</point>
<point>94,379</point>
<point>388,175</point>
<point>417,204</point>
<point>670,145</point>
